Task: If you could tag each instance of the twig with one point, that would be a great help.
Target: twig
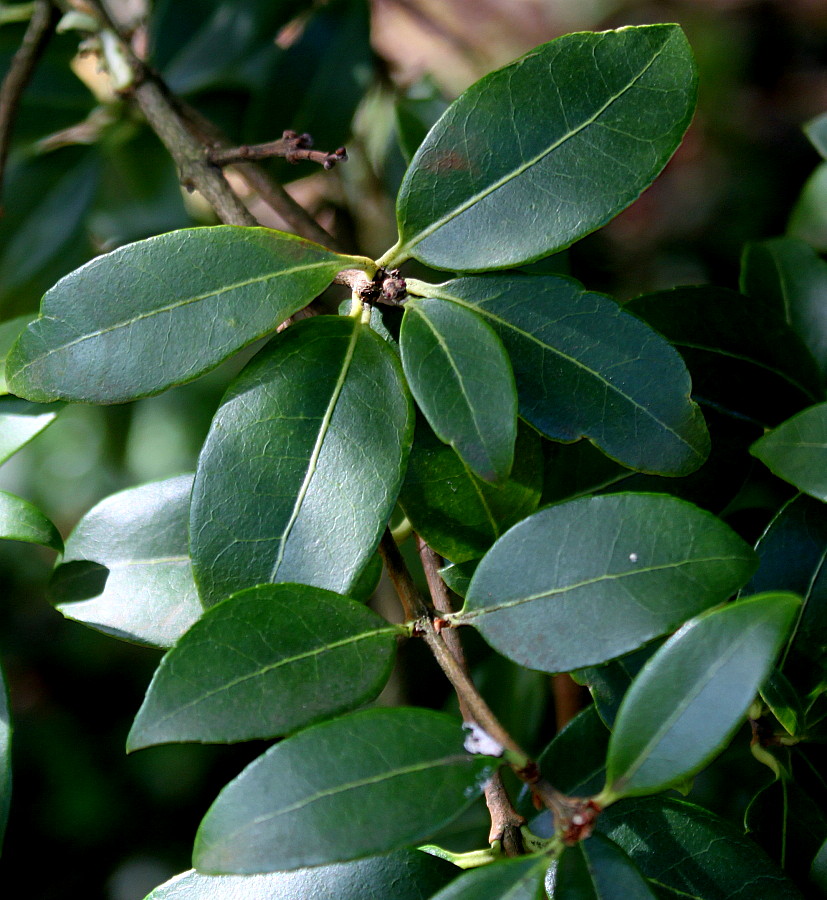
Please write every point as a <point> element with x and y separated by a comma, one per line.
<point>505,820</point>
<point>292,146</point>
<point>40,28</point>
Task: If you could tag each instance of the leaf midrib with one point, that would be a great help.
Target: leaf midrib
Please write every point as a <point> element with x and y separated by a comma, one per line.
<point>179,304</point>
<point>403,251</point>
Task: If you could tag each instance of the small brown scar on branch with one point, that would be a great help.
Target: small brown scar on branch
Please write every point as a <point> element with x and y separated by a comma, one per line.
<point>292,146</point>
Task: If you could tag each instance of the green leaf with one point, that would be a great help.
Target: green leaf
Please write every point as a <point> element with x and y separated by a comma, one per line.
<point>692,695</point>
<point>396,775</point>
<point>576,757</point>
<point>416,112</point>
<point>784,703</point>
<point>585,367</point>
<point>265,662</point>
<point>790,276</point>
<point>5,756</point>
<point>126,570</point>
<point>365,585</point>
<point>9,332</point>
<point>460,376</point>
<point>305,456</point>
<point>23,521</point>
<point>458,576</point>
<point>458,514</point>
<point>690,854</point>
<point>544,151</point>
<point>797,451</point>
<point>818,870</point>
<point>403,875</point>
<point>20,421</point>
<point>583,582</point>
<point>165,310</point>
<point>597,869</point>
<point>744,358</point>
<point>808,220</point>
<point>792,553</point>
<point>514,879</point>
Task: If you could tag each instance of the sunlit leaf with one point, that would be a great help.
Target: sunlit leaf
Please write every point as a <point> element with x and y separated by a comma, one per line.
<point>693,694</point>
<point>20,421</point>
<point>126,569</point>
<point>23,521</point>
<point>267,661</point>
<point>304,459</point>
<point>164,311</point>
<point>544,151</point>
<point>583,582</point>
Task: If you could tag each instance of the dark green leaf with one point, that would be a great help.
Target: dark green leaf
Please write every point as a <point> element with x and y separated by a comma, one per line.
<point>304,459</point>
<point>164,311</point>
<point>363,588</point>
<point>797,451</point>
<point>693,693</point>
<point>22,521</point>
<point>140,537</point>
<point>583,582</point>
<point>460,376</point>
<point>9,332</point>
<point>458,576</point>
<point>608,683</point>
<point>597,869</point>
<point>5,756</point>
<point>584,367</point>
<point>391,776</point>
<point>788,274</point>
<point>515,879</point>
<point>265,662</point>
<point>788,820</point>
<point>458,514</point>
<point>540,153</point>
<point>576,759</point>
<point>792,553</point>
<point>403,875</point>
<point>690,854</point>
<point>744,358</point>
<point>20,421</point>
<point>818,870</point>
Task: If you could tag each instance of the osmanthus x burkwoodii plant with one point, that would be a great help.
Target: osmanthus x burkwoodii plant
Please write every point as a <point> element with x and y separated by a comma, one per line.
<point>253,573</point>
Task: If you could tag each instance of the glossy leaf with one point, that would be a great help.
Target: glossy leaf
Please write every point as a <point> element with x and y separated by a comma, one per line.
<point>164,311</point>
<point>790,276</point>
<point>460,376</point>
<point>23,521</point>
<point>784,702</point>
<point>20,421</point>
<point>304,459</point>
<point>540,153</point>
<point>265,662</point>
<point>744,358</point>
<point>458,514</point>
<point>597,869</point>
<point>792,553</point>
<point>403,875</point>
<point>687,852</point>
<point>797,451</point>
<point>515,879</point>
<point>585,367</point>
<point>126,570</point>
<point>458,576</point>
<point>693,694</point>
<point>808,220</point>
<point>398,775</point>
<point>583,582</point>
<point>9,332</point>
<point>5,756</point>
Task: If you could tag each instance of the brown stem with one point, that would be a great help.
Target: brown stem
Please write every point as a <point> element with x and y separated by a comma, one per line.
<point>293,147</point>
<point>505,820</point>
<point>40,28</point>
<point>568,698</point>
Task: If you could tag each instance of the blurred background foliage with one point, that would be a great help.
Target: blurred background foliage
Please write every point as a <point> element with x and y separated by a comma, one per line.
<point>86,175</point>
